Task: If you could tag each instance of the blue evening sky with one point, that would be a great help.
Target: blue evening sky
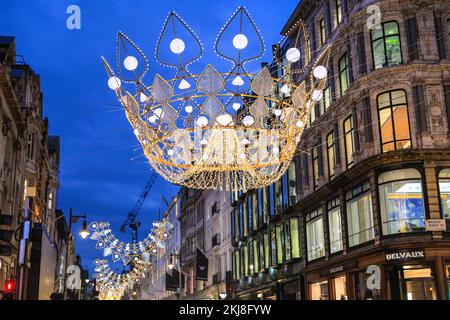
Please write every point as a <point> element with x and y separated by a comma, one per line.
<point>102,171</point>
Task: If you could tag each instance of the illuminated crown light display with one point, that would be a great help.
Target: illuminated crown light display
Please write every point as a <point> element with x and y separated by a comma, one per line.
<point>234,130</point>
<point>126,252</point>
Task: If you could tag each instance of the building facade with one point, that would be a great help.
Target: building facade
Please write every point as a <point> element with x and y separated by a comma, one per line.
<point>362,212</point>
<point>29,180</point>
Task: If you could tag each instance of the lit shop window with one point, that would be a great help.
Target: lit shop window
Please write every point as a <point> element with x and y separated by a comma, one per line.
<point>362,292</point>
<point>401,201</point>
<point>447,269</point>
<point>359,215</point>
<point>340,288</point>
<point>335,226</point>
<point>314,235</point>
<point>331,154</point>
<point>386,47</point>
<point>343,74</point>
<point>319,290</point>
<point>245,262</point>
<point>266,251</point>
<point>394,121</point>
<point>349,141</point>
<point>292,181</point>
<point>444,190</point>
<point>279,234</point>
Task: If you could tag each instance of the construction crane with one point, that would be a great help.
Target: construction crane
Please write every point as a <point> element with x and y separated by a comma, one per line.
<point>131,218</point>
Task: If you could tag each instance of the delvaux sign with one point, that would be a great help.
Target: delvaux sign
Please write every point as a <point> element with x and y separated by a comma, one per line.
<point>435,225</point>
<point>404,255</point>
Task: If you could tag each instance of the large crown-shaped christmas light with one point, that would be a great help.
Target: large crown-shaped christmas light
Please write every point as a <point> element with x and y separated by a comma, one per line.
<point>235,130</point>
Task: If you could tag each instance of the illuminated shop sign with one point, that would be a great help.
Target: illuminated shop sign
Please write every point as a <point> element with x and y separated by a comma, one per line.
<point>401,255</point>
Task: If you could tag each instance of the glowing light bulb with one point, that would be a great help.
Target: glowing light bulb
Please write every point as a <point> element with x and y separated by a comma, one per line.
<point>114,83</point>
<point>130,63</point>
<point>248,121</point>
<point>240,41</point>
<point>202,121</point>
<point>236,106</point>
<point>224,119</point>
<point>188,109</point>
<point>293,55</point>
<point>177,46</point>
<point>238,81</point>
<point>320,72</point>
<point>317,95</point>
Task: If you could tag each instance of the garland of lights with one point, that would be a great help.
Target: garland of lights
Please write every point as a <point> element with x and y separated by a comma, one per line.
<point>235,130</point>
<point>112,285</point>
<point>127,252</point>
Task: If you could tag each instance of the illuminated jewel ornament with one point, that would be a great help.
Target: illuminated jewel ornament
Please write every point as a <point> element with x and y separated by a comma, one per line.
<point>143,97</point>
<point>177,46</point>
<point>236,106</point>
<point>293,55</point>
<point>200,138</point>
<point>184,85</point>
<point>130,63</point>
<point>188,109</point>
<point>285,89</point>
<point>320,72</point>
<point>238,81</point>
<point>240,41</point>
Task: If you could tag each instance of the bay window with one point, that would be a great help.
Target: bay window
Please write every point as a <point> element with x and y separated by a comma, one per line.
<point>393,120</point>
<point>359,215</point>
<point>386,46</point>
<point>401,201</point>
<point>314,235</point>
<point>335,226</point>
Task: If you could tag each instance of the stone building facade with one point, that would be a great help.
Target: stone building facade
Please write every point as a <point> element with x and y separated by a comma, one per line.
<point>363,212</point>
<point>29,173</point>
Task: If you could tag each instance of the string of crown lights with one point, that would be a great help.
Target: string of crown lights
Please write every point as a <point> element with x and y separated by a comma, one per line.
<point>112,285</point>
<point>230,130</point>
<point>126,252</point>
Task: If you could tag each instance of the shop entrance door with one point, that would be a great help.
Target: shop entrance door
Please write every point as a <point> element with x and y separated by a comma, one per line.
<point>413,282</point>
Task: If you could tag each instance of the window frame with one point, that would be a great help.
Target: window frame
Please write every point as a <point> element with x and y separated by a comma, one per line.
<point>338,7</point>
<point>331,146</point>
<point>391,107</point>
<point>344,71</point>
<point>312,217</point>
<point>350,132</point>
<point>384,37</point>
<point>322,31</point>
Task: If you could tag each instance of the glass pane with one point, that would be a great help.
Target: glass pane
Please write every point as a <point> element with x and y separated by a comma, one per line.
<point>295,240</point>
<point>384,100</point>
<point>420,284</point>
<point>315,239</point>
<point>387,131</point>
<point>393,51</point>
<point>401,123</point>
<point>273,247</point>
<point>377,33</point>
<point>245,249</point>
<point>287,242</point>
<point>279,245</point>
<point>402,207</point>
<point>349,147</point>
<point>401,174</point>
<point>255,257</point>
<point>379,54</point>
<point>292,183</point>
<point>266,251</point>
<point>335,229</point>
<point>360,220</point>
<point>398,97</point>
<point>391,28</point>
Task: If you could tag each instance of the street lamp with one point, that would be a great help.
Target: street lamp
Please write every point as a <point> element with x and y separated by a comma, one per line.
<point>84,233</point>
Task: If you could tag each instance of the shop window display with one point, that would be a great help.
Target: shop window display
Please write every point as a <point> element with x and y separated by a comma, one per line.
<point>401,201</point>
<point>416,282</point>
<point>314,235</point>
<point>319,290</point>
<point>340,288</point>
<point>359,215</point>
<point>444,190</point>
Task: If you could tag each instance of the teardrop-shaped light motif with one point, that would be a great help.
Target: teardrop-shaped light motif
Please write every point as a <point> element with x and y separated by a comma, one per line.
<point>262,84</point>
<point>240,17</point>
<point>107,252</point>
<point>162,92</point>
<point>175,28</point>
<point>211,83</point>
<point>129,53</point>
<point>95,236</point>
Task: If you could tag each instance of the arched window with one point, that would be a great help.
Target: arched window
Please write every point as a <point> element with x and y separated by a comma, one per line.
<point>401,201</point>
<point>393,120</point>
<point>386,46</point>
